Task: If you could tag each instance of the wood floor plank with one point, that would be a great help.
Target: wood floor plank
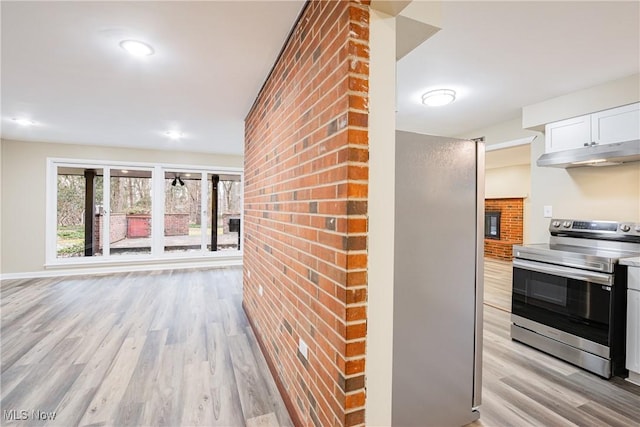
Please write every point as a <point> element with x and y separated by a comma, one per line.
<point>143,348</point>
<point>267,420</point>
<point>224,389</point>
<point>11,354</point>
<point>166,404</point>
<point>112,389</point>
<point>43,379</point>
<point>198,403</point>
<point>560,407</point>
<point>606,415</point>
<point>282,416</point>
<point>534,411</point>
<point>253,395</point>
<point>496,274</point>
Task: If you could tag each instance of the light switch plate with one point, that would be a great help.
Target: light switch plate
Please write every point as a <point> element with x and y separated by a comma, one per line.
<point>548,211</point>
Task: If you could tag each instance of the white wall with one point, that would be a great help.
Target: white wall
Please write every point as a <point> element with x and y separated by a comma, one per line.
<point>599,193</point>
<point>511,182</point>
<point>23,191</point>
<point>508,181</point>
<point>601,97</point>
<point>498,133</point>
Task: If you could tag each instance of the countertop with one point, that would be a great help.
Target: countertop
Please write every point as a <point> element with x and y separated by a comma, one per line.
<point>632,262</point>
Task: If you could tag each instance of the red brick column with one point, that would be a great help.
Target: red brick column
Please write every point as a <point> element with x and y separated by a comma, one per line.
<point>306,183</point>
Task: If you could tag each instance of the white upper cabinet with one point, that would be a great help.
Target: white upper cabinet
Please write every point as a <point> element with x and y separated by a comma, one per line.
<point>604,127</point>
<point>616,125</point>
<point>568,134</point>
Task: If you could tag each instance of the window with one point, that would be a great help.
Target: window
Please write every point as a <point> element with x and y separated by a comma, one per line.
<point>109,211</point>
<point>130,212</point>
<point>79,196</point>
<point>183,211</point>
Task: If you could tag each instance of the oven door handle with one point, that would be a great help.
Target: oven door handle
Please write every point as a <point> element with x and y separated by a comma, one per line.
<point>571,273</point>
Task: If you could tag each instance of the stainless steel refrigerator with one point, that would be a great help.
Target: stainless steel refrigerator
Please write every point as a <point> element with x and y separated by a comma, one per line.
<point>438,280</point>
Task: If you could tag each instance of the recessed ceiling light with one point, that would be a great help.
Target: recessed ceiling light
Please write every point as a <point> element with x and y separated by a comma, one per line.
<point>438,97</point>
<point>136,48</point>
<point>124,171</point>
<point>174,134</point>
<point>23,122</point>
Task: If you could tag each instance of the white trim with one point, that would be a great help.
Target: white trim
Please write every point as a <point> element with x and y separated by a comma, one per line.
<point>512,143</point>
<point>162,265</point>
<point>204,218</point>
<point>51,211</point>
<point>241,247</point>
<point>118,163</point>
<point>157,211</point>
<point>98,261</point>
<point>106,218</point>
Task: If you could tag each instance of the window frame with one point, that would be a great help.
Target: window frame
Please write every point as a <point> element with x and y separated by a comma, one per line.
<point>157,213</point>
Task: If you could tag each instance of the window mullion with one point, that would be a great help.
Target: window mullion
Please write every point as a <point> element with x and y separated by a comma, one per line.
<point>106,216</point>
<point>157,209</point>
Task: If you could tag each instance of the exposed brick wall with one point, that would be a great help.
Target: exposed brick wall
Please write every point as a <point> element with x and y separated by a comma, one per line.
<point>138,226</point>
<point>511,227</point>
<point>306,184</point>
<point>176,224</point>
<point>117,229</point>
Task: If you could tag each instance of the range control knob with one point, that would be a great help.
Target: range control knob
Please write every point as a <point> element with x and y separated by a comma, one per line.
<point>566,224</point>
<point>556,224</point>
<point>638,228</point>
<point>625,228</point>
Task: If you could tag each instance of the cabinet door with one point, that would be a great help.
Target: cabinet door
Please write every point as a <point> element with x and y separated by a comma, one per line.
<point>568,134</point>
<point>633,330</point>
<point>616,125</point>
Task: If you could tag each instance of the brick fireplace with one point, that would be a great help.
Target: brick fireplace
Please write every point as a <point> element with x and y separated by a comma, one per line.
<point>511,227</point>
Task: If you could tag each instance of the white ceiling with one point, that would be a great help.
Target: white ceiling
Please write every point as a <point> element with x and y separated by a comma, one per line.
<point>501,56</point>
<point>63,68</point>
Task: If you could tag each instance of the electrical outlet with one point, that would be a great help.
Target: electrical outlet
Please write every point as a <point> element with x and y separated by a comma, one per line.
<point>260,290</point>
<point>548,211</point>
<point>303,348</point>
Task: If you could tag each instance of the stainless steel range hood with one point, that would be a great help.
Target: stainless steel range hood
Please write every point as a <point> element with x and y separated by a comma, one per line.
<point>595,155</point>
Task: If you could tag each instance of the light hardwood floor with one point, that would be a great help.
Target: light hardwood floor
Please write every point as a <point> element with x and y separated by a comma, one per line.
<point>525,387</point>
<point>174,348</point>
<point>164,348</point>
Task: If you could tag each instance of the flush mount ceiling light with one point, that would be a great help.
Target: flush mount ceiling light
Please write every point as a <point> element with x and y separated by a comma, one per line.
<point>136,48</point>
<point>439,97</point>
<point>173,134</point>
<point>23,122</point>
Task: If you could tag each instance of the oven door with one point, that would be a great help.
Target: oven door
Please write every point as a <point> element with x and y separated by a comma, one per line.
<point>571,300</point>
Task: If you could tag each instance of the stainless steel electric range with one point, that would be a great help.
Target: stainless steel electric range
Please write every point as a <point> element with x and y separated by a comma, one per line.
<point>569,296</point>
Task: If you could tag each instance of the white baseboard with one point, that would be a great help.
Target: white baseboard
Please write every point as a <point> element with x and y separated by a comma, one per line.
<point>634,377</point>
<point>90,270</point>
